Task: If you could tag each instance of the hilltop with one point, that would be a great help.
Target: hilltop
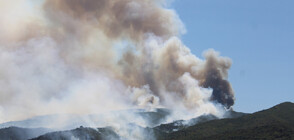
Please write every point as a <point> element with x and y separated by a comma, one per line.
<point>274,123</point>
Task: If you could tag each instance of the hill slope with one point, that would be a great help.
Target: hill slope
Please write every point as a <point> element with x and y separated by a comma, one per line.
<point>81,134</point>
<point>274,123</point>
<point>16,133</point>
<point>181,124</point>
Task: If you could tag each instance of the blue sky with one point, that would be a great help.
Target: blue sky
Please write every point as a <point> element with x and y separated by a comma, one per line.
<point>258,35</point>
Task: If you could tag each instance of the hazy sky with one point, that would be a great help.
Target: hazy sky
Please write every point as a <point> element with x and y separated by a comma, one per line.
<point>258,35</point>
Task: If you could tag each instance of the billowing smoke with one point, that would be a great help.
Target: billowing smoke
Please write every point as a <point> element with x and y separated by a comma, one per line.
<point>89,56</point>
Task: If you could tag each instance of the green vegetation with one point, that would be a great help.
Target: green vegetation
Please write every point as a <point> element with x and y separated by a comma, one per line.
<point>274,123</point>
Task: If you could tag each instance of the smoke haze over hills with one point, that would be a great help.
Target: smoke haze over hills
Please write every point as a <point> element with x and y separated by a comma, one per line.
<point>96,56</point>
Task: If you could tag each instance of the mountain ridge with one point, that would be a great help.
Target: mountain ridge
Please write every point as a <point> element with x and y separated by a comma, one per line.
<point>276,122</point>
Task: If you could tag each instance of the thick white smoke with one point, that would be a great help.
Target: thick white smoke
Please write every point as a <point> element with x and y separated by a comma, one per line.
<point>93,56</point>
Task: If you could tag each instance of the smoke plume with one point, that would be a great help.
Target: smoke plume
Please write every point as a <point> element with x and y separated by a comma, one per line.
<point>89,56</point>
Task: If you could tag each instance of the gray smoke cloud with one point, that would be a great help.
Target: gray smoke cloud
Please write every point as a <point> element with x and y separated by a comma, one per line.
<point>129,18</point>
<point>88,56</point>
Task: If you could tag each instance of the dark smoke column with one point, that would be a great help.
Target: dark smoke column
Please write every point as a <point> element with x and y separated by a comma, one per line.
<point>215,74</point>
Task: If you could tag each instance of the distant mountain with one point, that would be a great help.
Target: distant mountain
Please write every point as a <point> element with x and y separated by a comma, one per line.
<point>48,121</point>
<point>274,123</point>
<point>71,121</point>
